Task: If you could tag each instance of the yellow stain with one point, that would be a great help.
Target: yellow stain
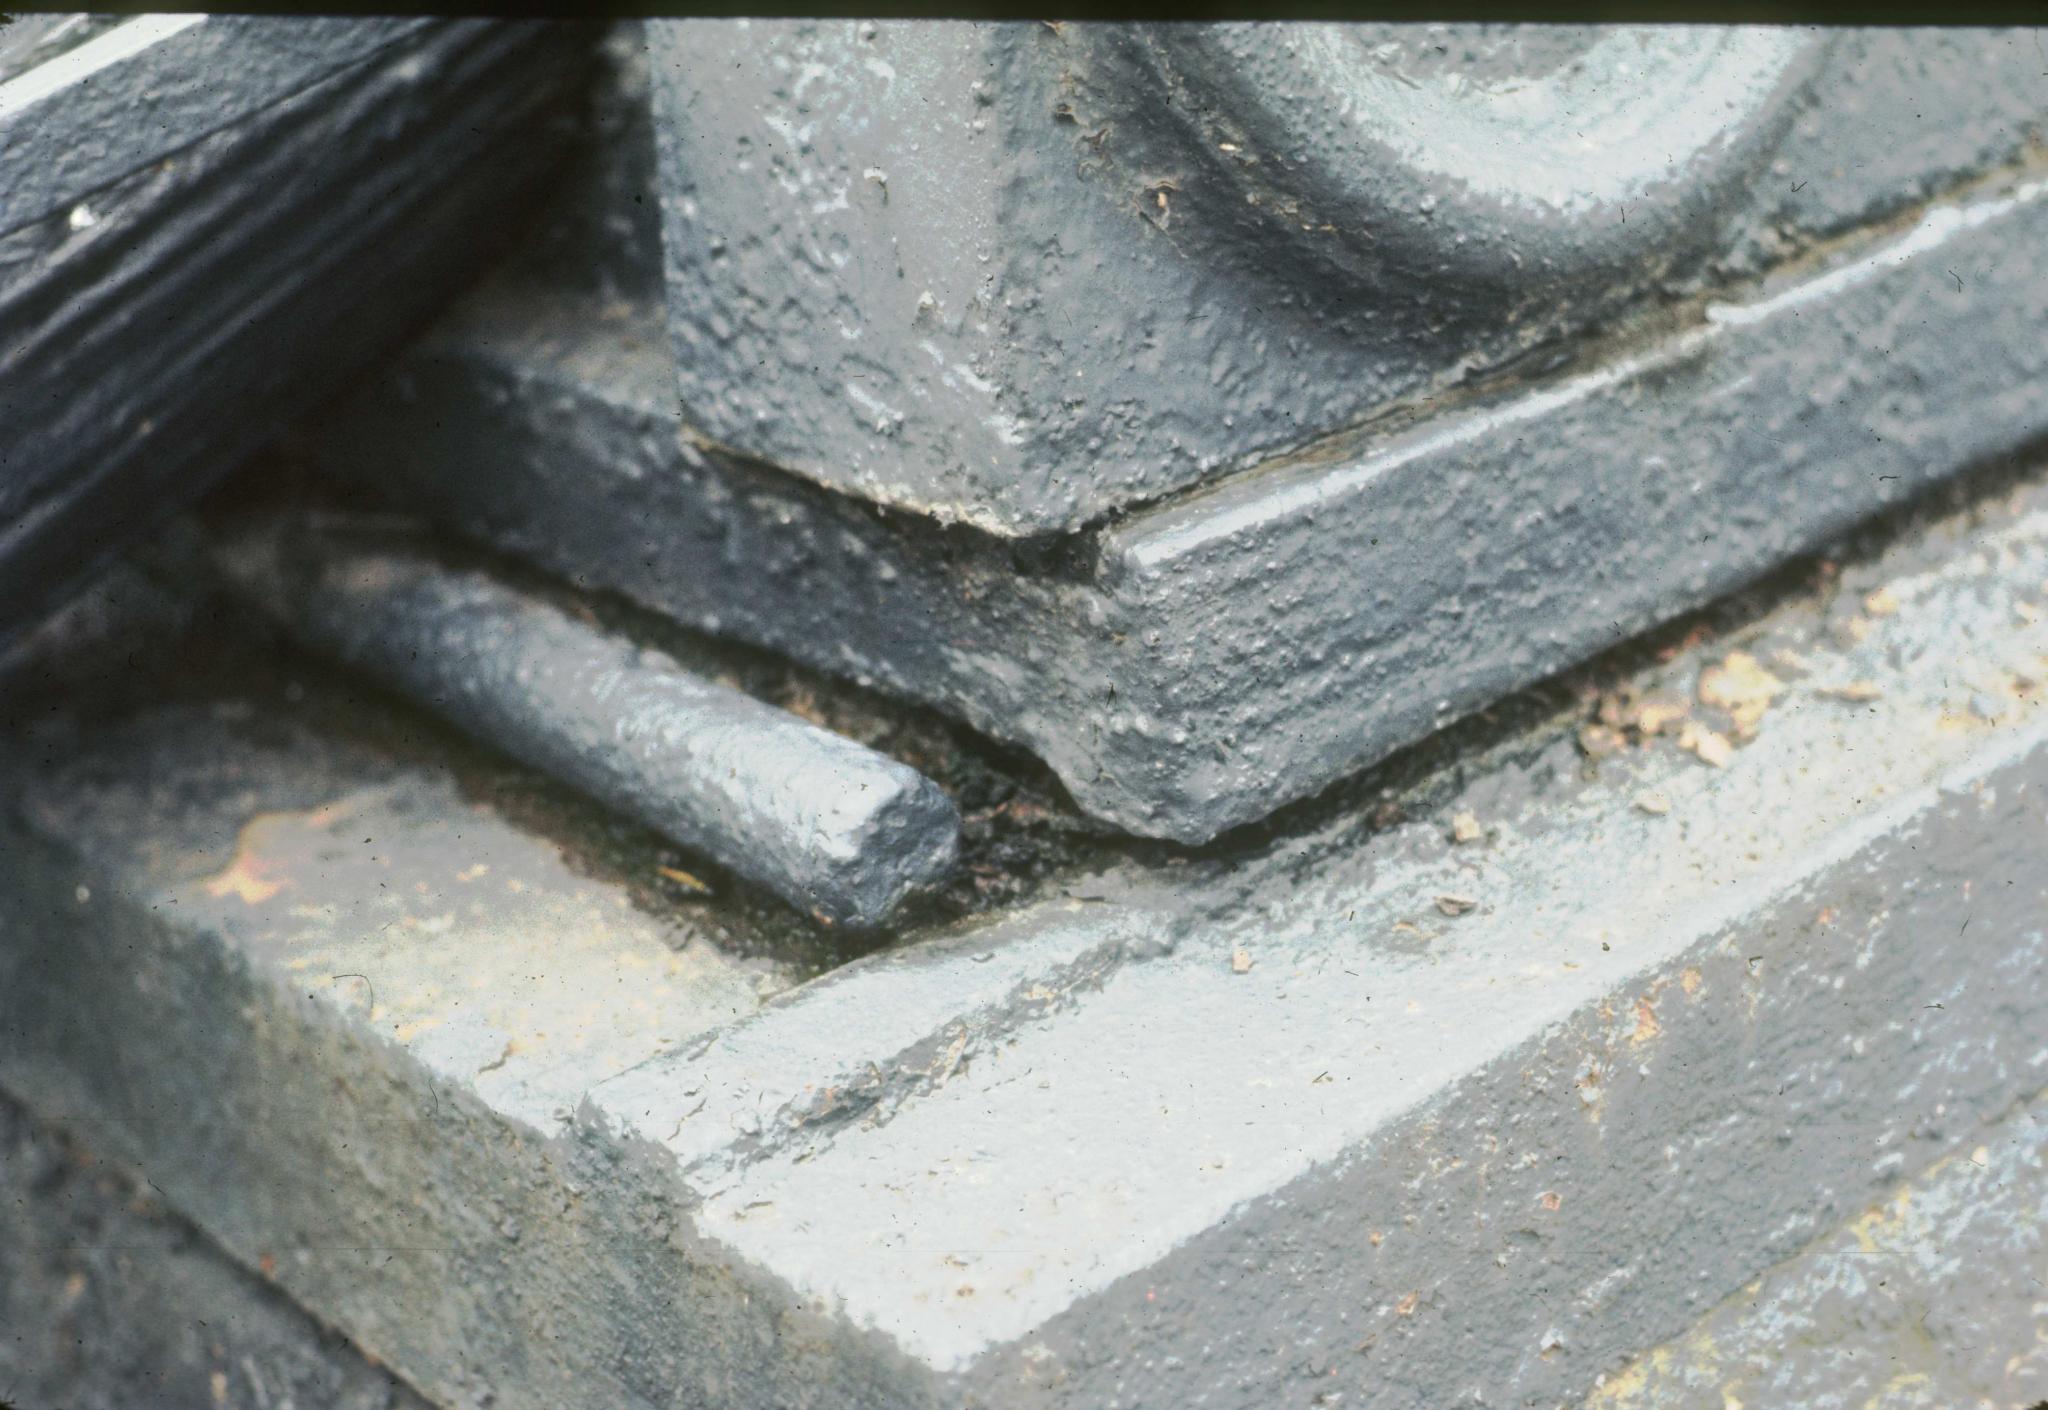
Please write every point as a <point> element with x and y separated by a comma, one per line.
<point>1629,1385</point>
<point>1883,1222</point>
<point>244,878</point>
<point>685,880</point>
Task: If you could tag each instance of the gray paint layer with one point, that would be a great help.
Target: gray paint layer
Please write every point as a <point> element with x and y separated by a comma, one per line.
<point>829,825</point>
<point>1195,666</point>
<point>1024,276</point>
<point>1933,1297</point>
<point>1358,1111</point>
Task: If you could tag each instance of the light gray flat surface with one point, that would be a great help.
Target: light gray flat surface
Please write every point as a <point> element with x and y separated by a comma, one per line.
<point>1081,1156</point>
<point>1352,1109</point>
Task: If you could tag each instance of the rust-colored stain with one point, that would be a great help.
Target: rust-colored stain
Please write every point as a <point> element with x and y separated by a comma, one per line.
<point>1406,1306</point>
<point>1552,1200</point>
<point>1647,1026</point>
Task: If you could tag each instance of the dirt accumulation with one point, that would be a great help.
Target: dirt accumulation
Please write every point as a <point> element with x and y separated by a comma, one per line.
<point>1022,837</point>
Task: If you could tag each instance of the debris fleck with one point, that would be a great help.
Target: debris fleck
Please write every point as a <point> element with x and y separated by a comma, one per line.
<point>1709,747</point>
<point>1240,961</point>
<point>1656,716</point>
<point>692,884</point>
<point>1857,691</point>
<point>1452,904</point>
<point>1465,828</point>
<point>1654,801</point>
<point>1741,686</point>
<point>1881,603</point>
<point>1599,741</point>
<point>1159,190</point>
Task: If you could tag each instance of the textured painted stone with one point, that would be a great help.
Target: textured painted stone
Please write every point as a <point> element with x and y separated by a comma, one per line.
<point>1027,275</point>
<point>1353,1109</point>
<point>835,829</point>
<point>110,1299</point>
<point>1930,1298</point>
<point>1191,668</point>
<point>207,224</point>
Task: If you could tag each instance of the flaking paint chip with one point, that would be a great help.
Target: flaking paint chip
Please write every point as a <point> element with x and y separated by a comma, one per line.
<point>1656,716</point>
<point>1452,904</point>
<point>1465,828</point>
<point>1741,686</point>
<point>1711,748</point>
<point>1654,801</point>
<point>1240,961</point>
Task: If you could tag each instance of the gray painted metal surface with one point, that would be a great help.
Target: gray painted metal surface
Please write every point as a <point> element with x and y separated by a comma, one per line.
<point>1192,667</point>
<point>1025,276</point>
<point>1382,1106</point>
<point>831,826</point>
<point>208,223</point>
<point>1933,1297</point>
